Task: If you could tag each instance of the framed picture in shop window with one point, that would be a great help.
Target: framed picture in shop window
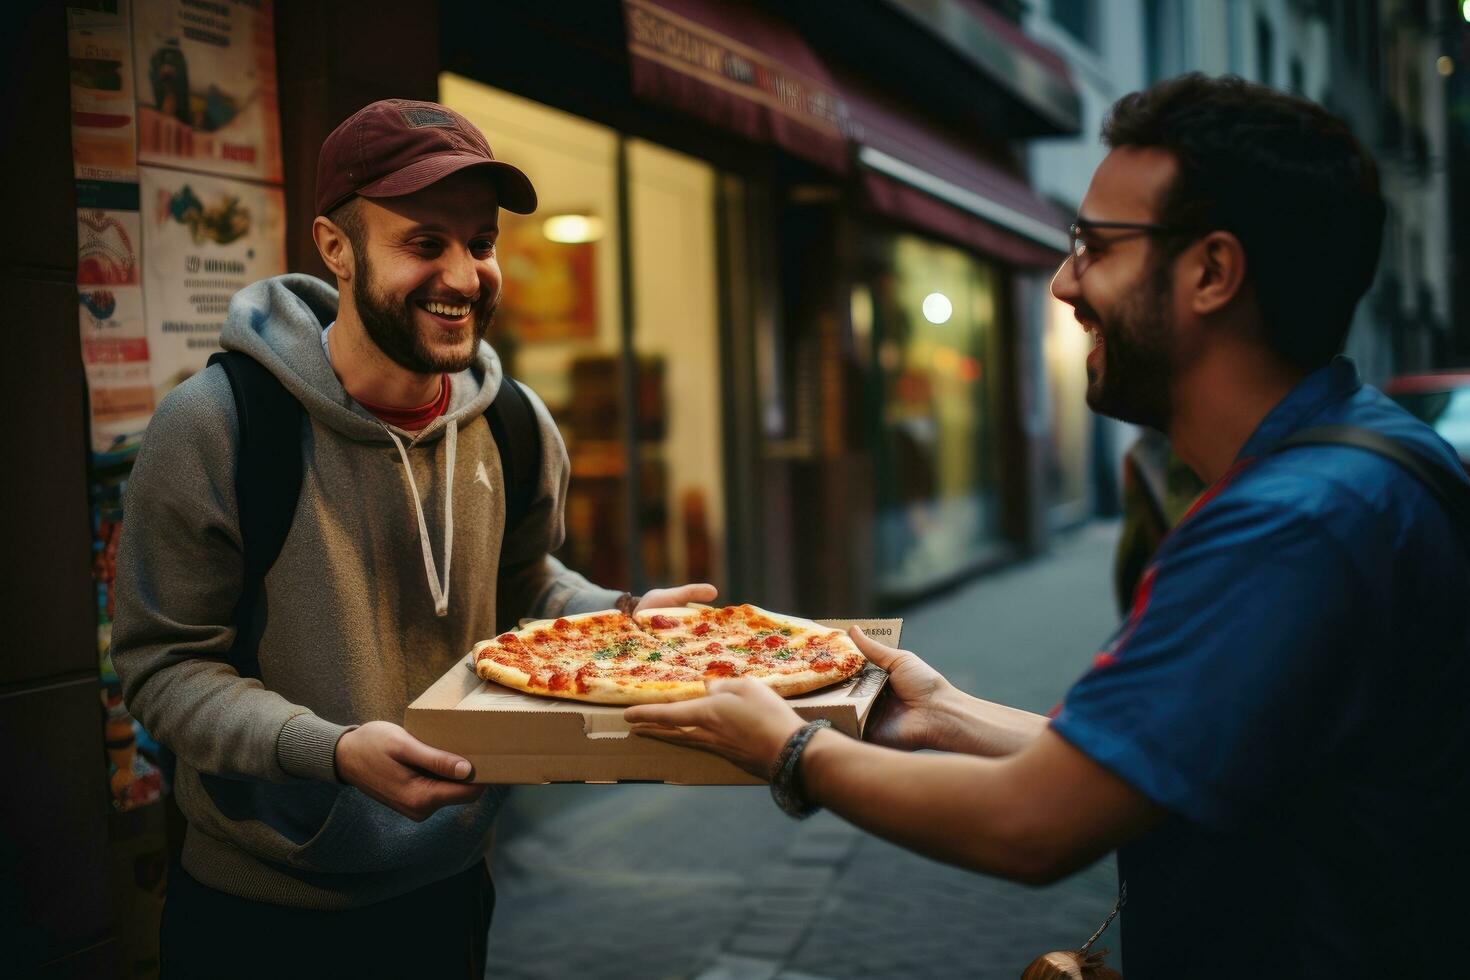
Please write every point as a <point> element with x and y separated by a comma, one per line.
<point>550,288</point>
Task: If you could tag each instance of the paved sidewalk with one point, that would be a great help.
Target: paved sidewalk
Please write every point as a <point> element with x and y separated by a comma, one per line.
<point>715,883</point>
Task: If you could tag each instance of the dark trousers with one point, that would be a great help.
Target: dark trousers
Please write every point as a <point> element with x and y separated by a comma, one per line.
<point>439,930</point>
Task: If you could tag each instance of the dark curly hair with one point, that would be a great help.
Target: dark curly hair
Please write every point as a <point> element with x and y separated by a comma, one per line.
<point>1283,175</point>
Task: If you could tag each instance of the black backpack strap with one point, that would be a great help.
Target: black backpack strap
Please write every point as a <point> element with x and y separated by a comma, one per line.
<point>268,474</point>
<point>518,439</point>
<point>1452,493</point>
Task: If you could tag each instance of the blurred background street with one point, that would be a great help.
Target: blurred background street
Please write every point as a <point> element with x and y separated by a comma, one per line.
<point>716,883</point>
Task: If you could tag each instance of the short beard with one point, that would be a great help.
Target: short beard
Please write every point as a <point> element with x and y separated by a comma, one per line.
<point>390,324</point>
<point>1138,357</point>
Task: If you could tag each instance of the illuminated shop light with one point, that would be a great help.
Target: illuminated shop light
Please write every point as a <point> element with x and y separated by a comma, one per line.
<point>572,229</point>
<point>1445,64</point>
<point>938,308</point>
<point>1465,10</point>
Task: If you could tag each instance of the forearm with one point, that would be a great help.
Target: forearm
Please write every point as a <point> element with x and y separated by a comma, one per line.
<point>969,725</point>
<point>223,724</point>
<point>958,809</point>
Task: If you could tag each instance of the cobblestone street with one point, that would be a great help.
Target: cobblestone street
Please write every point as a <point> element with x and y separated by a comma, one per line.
<point>715,883</point>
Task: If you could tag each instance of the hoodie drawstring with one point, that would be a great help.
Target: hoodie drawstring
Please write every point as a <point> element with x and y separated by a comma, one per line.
<point>439,592</point>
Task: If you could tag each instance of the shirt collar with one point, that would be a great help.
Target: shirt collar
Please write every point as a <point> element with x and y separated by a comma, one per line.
<point>1332,383</point>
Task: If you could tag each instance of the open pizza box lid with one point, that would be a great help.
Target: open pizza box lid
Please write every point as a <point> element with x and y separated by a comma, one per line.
<point>512,737</point>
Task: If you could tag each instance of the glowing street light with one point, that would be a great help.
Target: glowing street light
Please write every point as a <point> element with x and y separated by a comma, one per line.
<point>938,308</point>
<point>572,229</point>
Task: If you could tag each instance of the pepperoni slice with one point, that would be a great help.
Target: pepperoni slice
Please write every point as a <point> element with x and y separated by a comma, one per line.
<point>720,668</point>
<point>663,622</point>
<point>507,638</point>
<point>713,647</point>
<point>773,641</point>
<point>702,629</point>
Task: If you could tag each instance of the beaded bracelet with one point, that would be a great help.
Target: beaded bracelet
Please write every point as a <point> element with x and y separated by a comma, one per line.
<point>786,787</point>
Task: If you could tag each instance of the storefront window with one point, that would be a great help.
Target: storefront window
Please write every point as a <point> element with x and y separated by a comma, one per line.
<point>680,451</point>
<point>559,327</point>
<point>930,313</point>
<point>1068,451</point>
<point>559,330</point>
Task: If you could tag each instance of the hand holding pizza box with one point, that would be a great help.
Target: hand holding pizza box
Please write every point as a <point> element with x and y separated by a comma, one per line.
<point>560,733</point>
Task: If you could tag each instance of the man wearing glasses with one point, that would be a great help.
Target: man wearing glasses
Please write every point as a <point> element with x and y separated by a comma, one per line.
<point>1275,739</point>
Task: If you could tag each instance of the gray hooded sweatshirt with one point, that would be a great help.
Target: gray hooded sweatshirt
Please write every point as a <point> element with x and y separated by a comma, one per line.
<point>387,578</point>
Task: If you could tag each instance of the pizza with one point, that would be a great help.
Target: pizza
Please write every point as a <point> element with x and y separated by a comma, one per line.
<point>663,655</point>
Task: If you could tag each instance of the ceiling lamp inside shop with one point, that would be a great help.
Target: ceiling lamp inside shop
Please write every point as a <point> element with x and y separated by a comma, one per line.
<point>938,308</point>
<point>572,229</point>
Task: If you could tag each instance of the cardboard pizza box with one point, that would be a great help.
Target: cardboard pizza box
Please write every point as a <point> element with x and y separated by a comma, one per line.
<point>512,737</point>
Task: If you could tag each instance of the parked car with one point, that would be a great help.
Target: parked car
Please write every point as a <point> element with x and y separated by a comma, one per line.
<point>1442,400</point>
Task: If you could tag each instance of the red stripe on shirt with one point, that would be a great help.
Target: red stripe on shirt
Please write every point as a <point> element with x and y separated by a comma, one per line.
<point>1108,655</point>
<point>416,418</point>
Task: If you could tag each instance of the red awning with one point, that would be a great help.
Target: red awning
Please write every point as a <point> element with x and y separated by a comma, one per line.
<point>737,67</point>
<point>924,177</point>
<point>899,201</point>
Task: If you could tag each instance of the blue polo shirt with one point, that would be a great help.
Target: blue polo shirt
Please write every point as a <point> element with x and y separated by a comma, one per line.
<point>1291,687</point>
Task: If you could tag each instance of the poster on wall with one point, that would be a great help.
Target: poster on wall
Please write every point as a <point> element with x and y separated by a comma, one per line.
<point>110,317</point>
<point>204,238</point>
<point>206,86</point>
<point>551,287</point>
<point>100,58</point>
<point>115,356</point>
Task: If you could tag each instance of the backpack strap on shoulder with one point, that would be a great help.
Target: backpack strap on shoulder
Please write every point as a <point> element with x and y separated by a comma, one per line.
<point>268,474</point>
<point>1451,492</point>
<point>518,438</point>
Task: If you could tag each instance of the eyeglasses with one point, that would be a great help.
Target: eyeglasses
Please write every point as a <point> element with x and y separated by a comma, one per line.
<point>1080,227</point>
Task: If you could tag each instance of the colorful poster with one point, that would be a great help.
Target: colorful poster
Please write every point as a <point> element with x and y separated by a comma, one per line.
<point>115,356</point>
<point>103,136</point>
<point>110,317</point>
<point>206,86</point>
<point>107,247</point>
<point>203,239</point>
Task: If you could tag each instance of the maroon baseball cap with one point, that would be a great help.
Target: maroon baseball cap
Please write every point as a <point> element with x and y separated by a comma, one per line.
<point>397,146</point>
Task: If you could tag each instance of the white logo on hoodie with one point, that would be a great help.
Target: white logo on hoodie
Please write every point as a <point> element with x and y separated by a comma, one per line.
<point>483,477</point>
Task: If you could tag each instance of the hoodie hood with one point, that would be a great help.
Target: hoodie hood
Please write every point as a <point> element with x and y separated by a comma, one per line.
<point>279,322</point>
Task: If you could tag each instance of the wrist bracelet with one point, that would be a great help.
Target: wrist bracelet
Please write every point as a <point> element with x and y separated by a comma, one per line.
<point>786,788</point>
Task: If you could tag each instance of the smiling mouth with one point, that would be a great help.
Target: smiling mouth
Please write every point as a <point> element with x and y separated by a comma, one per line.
<point>447,311</point>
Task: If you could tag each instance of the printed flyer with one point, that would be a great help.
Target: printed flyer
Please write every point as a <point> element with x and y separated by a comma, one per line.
<point>103,135</point>
<point>110,317</point>
<point>206,86</point>
<point>115,356</point>
<point>203,239</point>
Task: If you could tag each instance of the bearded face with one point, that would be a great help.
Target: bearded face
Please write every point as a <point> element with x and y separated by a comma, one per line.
<point>421,331</point>
<point>1131,361</point>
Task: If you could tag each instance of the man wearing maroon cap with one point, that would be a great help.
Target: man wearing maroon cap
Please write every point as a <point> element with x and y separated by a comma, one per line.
<point>322,837</point>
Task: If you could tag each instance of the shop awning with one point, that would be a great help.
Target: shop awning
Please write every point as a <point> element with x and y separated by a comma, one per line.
<point>737,67</point>
<point>1035,76</point>
<point>923,177</point>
